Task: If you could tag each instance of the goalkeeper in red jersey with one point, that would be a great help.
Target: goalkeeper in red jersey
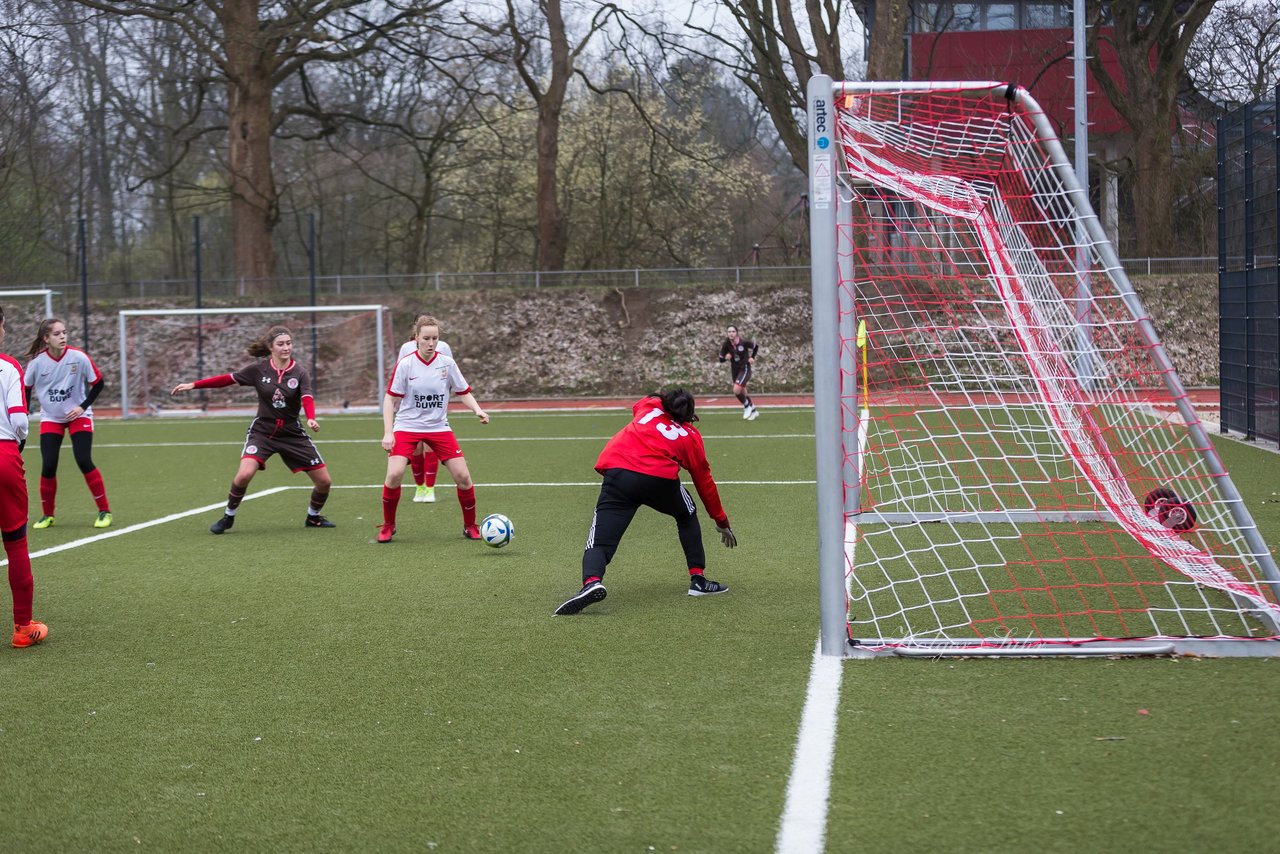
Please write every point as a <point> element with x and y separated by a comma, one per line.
<point>13,499</point>
<point>641,466</point>
<point>284,389</point>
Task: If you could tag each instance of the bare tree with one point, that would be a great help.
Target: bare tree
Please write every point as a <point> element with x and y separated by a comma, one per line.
<point>258,45</point>
<point>1150,41</point>
<point>1235,56</point>
<point>545,56</point>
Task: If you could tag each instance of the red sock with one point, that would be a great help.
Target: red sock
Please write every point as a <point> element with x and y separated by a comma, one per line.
<point>48,489</point>
<point>430,468</point>
<point>418,463</point>
<point>390,500</point>
<point>98,490</point>
<point>20,580</point>
<point>467,498</point>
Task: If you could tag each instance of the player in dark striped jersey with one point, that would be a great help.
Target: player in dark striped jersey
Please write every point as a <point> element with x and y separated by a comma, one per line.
<point>641,466</point>
<point>284,388</point>
<point>741,356</point>
<point>13,500</point>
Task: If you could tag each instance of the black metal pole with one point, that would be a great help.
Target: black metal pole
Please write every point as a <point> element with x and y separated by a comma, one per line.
<point>311,265</point>
<point>199,271</point>
<point>84,287</point>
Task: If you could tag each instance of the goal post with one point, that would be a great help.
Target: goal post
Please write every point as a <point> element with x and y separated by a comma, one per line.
<point>1007,460</point>
<point>44,295</point>
<point>349,344</point>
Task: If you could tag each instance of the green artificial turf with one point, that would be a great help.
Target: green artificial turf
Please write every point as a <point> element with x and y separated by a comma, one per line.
<point>283,689</point>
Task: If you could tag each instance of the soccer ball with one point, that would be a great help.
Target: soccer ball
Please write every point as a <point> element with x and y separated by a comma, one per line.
<point>1168,509</point>
<point>497,530</point>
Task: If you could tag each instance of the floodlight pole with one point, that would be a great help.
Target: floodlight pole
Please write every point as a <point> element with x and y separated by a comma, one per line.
<point>826,363</point>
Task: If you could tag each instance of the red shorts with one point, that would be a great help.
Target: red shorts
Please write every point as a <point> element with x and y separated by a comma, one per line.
<point>443,444</point>
<point>13,487</point>
<point>83,424</point>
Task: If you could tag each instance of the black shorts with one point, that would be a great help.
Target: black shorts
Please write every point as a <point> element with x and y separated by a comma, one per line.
<point>740,374</point>
<point>286,438</point>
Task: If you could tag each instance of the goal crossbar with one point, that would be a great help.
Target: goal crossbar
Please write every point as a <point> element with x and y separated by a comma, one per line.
<point>46,293</point>
<point>987,199</point>
<point>379,312</point>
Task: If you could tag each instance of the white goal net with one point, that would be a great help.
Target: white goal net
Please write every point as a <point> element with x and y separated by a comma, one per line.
<point>348,348</point>
<point>1007,459</point>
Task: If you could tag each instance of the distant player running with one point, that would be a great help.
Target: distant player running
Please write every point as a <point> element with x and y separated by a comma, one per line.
<point>416,410</point>
<point>284,388</point>
<point>66,382</point>
<point>13,500</point>
<point>423,462</point>
<point>641,466</point>
<point>741,356</point>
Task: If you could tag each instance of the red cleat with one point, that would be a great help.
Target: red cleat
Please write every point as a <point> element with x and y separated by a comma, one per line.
<point>471,532</point>
<point>30,634</point>
<point>385,532</point>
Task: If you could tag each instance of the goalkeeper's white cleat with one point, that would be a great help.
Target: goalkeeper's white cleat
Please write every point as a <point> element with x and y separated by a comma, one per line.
<point>753,414</point>
<point>746,413</point>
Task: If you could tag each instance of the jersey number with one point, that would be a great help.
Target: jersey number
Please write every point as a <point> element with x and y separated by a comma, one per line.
<point>667,430</point>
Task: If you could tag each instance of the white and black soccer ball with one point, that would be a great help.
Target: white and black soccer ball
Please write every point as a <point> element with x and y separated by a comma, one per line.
<point>497,530</point>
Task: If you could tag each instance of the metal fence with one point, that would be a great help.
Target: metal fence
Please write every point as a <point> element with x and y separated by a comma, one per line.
<point>1249,278</point>
<point>293,289</point>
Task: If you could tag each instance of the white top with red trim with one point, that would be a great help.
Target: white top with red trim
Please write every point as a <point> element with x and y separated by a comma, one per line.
<point>61,384</point>
<point>423,390</point>
<point>15,405</point>
<point>412,346</point>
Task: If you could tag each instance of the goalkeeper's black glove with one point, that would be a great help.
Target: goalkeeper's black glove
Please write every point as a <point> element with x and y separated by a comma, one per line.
<point>727,536</point>
<point>22,444</point>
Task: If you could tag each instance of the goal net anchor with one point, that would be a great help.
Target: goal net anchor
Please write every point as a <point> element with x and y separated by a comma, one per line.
<point>986,381</point>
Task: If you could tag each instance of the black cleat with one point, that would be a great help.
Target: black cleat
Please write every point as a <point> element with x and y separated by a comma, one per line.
<point>318,521</point>
<point>589,594</point>
<point>222,525</point>
<point>699,586</point>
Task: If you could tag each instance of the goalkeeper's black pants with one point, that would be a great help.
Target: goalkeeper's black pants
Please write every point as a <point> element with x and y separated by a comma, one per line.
<point>621,495</point>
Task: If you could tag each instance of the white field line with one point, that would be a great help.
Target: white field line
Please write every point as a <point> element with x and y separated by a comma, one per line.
<point>195,511</point>
<point>129,529</point>
<point>374,440</point>
<point>804,817</point>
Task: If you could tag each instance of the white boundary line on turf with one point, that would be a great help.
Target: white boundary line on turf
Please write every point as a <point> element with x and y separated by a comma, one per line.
<point>803,828</point>
<point>469,439</point>
<point>129,529</point>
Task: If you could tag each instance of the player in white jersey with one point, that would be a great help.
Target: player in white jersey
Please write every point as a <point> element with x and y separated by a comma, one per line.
<point>416,410</point>
<point>424,464</point>
<point>66,382</point>
<point>13,499</point>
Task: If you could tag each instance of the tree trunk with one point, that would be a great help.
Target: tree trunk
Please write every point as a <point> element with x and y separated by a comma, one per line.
<point>550,246</point>
<point>550,106</point>
<point>255,208</point>
<point>888,41</point>
<point>1153,192</point>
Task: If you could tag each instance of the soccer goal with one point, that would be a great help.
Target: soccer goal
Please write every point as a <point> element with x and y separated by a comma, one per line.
<point>347,348</point>
<point>1007,460</point>
<point>22,306</point>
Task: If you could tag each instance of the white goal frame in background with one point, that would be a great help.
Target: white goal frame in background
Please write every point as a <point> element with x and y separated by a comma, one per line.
<point>380,313</point>
<point>841,427</point>
<point>35,292</point>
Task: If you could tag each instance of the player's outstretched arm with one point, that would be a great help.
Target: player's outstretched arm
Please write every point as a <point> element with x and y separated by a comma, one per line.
<point>181,387</point>
<point>469,401</point>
